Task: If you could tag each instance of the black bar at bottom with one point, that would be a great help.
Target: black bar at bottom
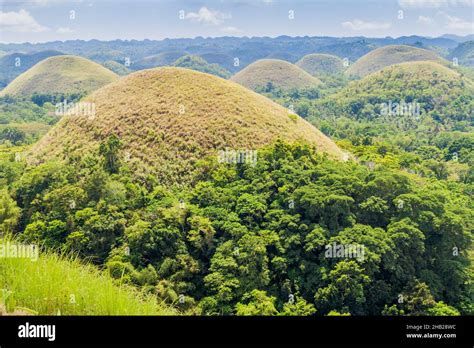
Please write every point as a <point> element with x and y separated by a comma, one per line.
<point>423,331</point>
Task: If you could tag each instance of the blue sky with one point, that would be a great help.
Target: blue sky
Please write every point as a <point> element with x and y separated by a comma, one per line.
<point>48,20</point>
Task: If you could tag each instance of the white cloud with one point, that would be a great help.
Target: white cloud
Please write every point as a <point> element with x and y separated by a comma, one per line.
<point>33,3</point>
<point>424,20</point>
<point>456,23</point>
<point>231,30</point>
<point>65,30</point>
<point>206,16</point>
<point>359,25</point>
<point>53,2</point>
<point>46,2</point>
<point>433,3</point>
<point>20,21</point>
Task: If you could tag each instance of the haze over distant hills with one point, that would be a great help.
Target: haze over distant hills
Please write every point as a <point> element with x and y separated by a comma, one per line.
<point>161,59</point>
<point>230,53</point>
<point>464,54</point>
<point>246,49</point>
<point>458,38</point>
<point>199,64</point>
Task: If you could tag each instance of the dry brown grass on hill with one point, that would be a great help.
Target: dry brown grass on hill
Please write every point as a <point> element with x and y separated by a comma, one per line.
<point>321,64</point>
<point>389,55</point>
<point>60,75</point>
<point>169,118</point>
<point>410,76</point>
<point>280,73</point>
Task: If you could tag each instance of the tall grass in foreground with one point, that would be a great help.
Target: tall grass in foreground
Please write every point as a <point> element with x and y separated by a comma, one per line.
<point>56,284</point>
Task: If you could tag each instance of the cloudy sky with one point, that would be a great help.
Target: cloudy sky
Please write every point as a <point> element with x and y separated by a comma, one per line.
<point>48,20</point>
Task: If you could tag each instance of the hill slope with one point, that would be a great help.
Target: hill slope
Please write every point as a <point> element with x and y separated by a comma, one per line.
<point>442,93</point>
<point>46,285</point>
<point>116,67</point>
<point>61,75</point>
<point>161,59</point>
<point>222,59</point>
<point>169,118</point>
<point>389,55</point>
<point>464,53</point>
<point>281,74</point>
<point>199,64</point>
<point>12,65</point>
<point>321,64</point>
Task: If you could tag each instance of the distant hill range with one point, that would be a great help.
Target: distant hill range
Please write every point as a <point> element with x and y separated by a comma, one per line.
<point>199,64</point>
<point>458,38</point>
<point>117,67</point>
<point>226,51</point>
<point>464,53</point>
<point>161,59</point>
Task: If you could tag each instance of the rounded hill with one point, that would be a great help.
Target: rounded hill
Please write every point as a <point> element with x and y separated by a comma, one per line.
<point>411,90</point>
<point>60,75</point>
<point>387,56</point>
<point>321,64</point>
<point>169,118</point>
<point>13,64</point>
<point>414,78</point>
<point>279,73</point>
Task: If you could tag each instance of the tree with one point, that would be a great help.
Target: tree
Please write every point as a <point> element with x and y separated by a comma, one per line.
<point>9,213</point>
<point>346,289</point>
<point>109,150</point>
<point>256,303</point>
<point>300,307</point>
<point>14,135</point>
<point>442,309</point>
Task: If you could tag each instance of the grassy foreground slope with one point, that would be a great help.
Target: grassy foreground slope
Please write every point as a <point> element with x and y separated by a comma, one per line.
<point>58,285</point>
<point>321,64</point>
<point>279,73</point>
<point>60,75</point>
<point>387,56</point>
<point>169,118</point>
